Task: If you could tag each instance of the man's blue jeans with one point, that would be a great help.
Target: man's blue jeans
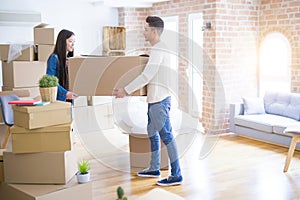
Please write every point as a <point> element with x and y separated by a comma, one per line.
<point>159,126</point>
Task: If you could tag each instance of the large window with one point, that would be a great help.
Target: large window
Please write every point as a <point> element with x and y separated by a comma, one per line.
<point>275,60</point>
<point>196,64</point>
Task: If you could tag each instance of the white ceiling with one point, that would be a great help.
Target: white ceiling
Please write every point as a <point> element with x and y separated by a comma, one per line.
<point>127,3</point>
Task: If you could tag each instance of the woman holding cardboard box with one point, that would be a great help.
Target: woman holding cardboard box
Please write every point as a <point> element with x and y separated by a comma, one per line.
<point>57,63</point>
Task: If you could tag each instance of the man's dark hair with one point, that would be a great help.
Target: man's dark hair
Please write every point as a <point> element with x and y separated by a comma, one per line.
<point>155,22</point>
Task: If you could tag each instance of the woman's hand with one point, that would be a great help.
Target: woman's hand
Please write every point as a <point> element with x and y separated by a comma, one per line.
<point>71,95</point>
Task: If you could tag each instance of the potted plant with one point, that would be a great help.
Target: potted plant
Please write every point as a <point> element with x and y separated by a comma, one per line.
<point>120,193</point>
<point>83,174</point>
<point>48,87</point>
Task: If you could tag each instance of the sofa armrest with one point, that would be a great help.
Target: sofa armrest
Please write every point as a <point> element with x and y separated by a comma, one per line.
<point>234,110</point>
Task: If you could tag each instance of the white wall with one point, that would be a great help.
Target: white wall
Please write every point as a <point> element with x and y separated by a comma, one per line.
<point>80,16</point>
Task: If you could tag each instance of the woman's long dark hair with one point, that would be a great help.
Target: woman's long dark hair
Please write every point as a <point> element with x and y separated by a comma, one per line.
<point>60,50</point>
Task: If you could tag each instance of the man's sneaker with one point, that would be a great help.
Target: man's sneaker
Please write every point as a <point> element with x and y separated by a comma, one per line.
<point>148,173</point>
<point>171,180</point>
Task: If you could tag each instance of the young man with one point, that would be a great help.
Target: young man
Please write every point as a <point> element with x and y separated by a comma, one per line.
<point>157,77</point>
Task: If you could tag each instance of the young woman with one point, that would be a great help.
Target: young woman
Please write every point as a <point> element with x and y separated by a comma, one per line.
<point>57,64</point>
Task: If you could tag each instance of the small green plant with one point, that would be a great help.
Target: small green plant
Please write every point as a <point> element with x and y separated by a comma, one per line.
<point>84,167</point>
<point>120,193</point>
<point>48,81</point>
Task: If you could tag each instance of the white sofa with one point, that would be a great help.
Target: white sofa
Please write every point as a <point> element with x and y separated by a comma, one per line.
<point>266,118</point>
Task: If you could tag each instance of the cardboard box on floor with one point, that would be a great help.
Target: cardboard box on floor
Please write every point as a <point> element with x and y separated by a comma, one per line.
<point>140,152</point>
<point>32,117</point>
<point>44,51</point>
<point>98,76</point>
<point>72,191</point>
<point>28,54</point>
<point>47,139</point>
<point>43,34</point>
<point>39,168</point>
<point>22,73</point>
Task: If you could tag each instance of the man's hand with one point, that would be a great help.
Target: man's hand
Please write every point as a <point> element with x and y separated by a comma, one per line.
<point>119,93</point>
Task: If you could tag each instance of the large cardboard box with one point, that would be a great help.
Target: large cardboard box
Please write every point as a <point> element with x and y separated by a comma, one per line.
<point>44,51</point>
<point>43,34</point>
<point>72,191</point>
<point>47,139</point>
<point>22,73</point>
<point>99,76</point>
<point>140,152</point>
<point>32,117</point>
<point>28,54</point>
<point>39,168</point>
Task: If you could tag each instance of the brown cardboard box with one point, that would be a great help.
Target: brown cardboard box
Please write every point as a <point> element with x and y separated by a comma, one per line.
<point>44,51</point>
<point>72,191</point>
<point>3,131</point>
<point>47,139</point>
<point>140,152</point>
<point>114,38</point>
<point>28,54</point>
<point>113,53</point>
<point>31,117</point>
<point>43,34</point>
<point>22,73</point>
<point>33,91</point>
<point>19,93</point>
<point>40,168</point>
<point>1,166</point>
<point>98,76</point>
<point>4,49</point>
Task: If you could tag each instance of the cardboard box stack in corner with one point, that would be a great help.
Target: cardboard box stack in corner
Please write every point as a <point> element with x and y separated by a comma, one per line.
<point>42,163</point>
<point>44,38</point>
<point>114,41</point>
<point>24,64</point>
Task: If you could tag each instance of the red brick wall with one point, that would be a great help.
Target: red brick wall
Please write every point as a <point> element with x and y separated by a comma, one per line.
<point>231,47</point>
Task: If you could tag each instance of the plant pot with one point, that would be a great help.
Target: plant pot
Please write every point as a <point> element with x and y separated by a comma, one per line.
<point>83,178</point>
<point>48,94</point>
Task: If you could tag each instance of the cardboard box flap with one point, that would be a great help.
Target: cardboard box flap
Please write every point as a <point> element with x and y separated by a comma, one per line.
<point>52,106</point>
<point>41,25</point>
<point>57,128</point>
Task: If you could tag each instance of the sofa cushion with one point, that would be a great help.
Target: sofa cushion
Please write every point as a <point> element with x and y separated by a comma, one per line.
<point>253,106</point>
<point>284,104</point>
<point>264,122</point>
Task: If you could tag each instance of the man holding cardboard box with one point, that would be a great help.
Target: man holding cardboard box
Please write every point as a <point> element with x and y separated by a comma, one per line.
<point>156,76</point>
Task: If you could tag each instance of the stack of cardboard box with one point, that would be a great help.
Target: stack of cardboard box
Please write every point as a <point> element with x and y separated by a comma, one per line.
<point>23,72</point>
<point>114,41</point>
<point>44,38</point>
<point>42,163</point>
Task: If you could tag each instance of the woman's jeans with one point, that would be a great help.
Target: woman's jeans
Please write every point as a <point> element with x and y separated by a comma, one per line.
<point>159,126</point>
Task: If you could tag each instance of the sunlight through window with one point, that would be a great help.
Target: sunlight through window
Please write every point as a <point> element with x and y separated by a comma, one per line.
<point>275,59</point>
